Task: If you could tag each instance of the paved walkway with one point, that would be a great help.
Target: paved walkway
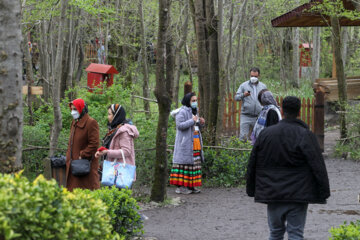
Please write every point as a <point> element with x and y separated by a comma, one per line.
<point>219,213</point>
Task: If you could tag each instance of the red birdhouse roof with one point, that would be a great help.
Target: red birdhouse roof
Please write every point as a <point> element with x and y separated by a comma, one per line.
<point>101,68</point>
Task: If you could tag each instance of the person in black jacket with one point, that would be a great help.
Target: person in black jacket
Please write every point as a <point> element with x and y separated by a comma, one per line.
<point>286,171</point>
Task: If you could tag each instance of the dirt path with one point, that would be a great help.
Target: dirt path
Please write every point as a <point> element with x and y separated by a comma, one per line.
<point>219,213</point>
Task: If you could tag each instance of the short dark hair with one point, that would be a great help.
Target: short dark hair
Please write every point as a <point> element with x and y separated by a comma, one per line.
<point>255,69</point>
<point>291,106</point>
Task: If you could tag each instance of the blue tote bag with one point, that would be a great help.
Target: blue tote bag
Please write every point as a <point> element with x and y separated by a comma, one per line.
<point>120,174</point>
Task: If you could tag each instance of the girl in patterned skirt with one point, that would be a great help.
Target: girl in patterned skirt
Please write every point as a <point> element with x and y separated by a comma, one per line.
<point>188,154</point>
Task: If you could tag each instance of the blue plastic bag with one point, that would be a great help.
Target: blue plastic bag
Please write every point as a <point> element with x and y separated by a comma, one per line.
<point>109,173</point>
<point>120,174</point>
<point>125,175</point>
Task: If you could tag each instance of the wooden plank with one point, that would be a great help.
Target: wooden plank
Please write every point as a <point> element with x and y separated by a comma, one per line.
<point>308,111</point>
<point>35,90</point>
<point>303,109</point>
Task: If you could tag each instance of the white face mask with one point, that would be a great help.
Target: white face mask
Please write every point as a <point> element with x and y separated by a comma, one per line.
<point>254,79</point>
<point>75,114</point>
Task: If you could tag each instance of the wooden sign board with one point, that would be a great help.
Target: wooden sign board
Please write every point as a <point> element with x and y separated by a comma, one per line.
<point>35,90</point>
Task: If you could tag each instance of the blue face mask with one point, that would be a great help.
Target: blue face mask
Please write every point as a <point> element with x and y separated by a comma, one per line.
<point>194,105</point>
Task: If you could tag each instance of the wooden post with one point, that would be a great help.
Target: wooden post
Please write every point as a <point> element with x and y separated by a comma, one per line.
<point>308,108</point>
<point>333,66</point>
<point>303,110</point>
<point>319,118</point>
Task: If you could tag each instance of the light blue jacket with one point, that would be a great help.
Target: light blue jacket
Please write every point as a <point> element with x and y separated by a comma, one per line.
<point>183,150</point>
<point>250,105</point>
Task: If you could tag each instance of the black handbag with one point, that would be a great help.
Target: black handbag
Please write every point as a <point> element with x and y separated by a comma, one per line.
<point>80,167</point>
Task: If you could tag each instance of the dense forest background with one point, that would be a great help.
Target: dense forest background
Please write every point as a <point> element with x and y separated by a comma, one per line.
<point>157,46</point>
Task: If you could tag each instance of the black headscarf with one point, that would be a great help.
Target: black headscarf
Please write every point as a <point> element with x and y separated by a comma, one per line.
<point>186,102</point>
<point>119,118</point>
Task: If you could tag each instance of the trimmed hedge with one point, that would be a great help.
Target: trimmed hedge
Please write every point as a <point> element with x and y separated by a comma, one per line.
<point>42,210</point>
<point>122,209</point>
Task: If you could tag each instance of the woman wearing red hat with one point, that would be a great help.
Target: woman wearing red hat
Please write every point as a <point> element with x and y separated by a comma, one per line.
<point>83,142</point>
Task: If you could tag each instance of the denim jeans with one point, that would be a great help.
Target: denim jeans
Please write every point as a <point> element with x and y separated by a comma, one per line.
<point>288,217</point>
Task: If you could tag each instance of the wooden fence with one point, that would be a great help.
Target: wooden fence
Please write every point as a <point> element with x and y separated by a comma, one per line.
<point>90,53</point>
<point>312,113</point>
<point>232,111</point>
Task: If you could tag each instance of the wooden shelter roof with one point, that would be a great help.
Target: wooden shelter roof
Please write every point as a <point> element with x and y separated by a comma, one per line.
<point>302,17</point>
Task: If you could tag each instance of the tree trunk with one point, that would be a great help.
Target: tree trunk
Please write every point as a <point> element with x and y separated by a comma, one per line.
<point>65,56</point>
<point>179,46</point>
<point>345,40</point>
<point>239,54</point>
<point>340,74</point>
<point>79,70</point>
<point>295,59</point>
<point>146,93</point>
<point>11,110</point>
<point>163,93</point>
<point>316,53</point>
<point>202,51</point>
<point>73,42</point>
<point>187,53</point>
<point>229,55</point>
<point>222,76</point>
<point>44,59</point>
<point>57,123</point>
<point>285,59</point>
<point>213,70</point>
<point>29,78</point>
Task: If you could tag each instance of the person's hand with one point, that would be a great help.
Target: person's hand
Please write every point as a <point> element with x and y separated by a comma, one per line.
<point>246,94</point>
<point>100,153</point>
<point>202,121</point>
<point>195,118</point>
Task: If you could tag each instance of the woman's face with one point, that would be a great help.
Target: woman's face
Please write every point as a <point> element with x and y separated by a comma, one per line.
<point>73,108</point>
<point>193,99</point>
<point>110,115</point>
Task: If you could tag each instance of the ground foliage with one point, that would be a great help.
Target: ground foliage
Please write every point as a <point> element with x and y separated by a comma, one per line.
<point>346,231</point>
<point>350,147</point>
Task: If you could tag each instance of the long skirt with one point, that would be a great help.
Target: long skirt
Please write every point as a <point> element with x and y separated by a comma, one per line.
<point>188,175</point>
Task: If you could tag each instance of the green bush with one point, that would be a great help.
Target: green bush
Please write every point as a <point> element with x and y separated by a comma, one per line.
<point>226,167</point>
<point>346,232</point>
<point>42,210</point>
<point>122,209</point>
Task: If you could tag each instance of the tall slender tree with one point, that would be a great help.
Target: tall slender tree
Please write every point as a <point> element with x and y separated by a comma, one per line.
<point>163,93</point>
<point>145,66</point>
<point>340,73</point>
<point>57,124</point>
<point>11,110</point>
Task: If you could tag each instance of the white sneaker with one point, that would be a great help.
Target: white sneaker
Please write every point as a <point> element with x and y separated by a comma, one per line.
<point>185,190</point>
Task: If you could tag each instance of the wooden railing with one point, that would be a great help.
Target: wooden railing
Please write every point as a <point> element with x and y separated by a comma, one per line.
<point>90,53</point>
<point>232,111</point>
